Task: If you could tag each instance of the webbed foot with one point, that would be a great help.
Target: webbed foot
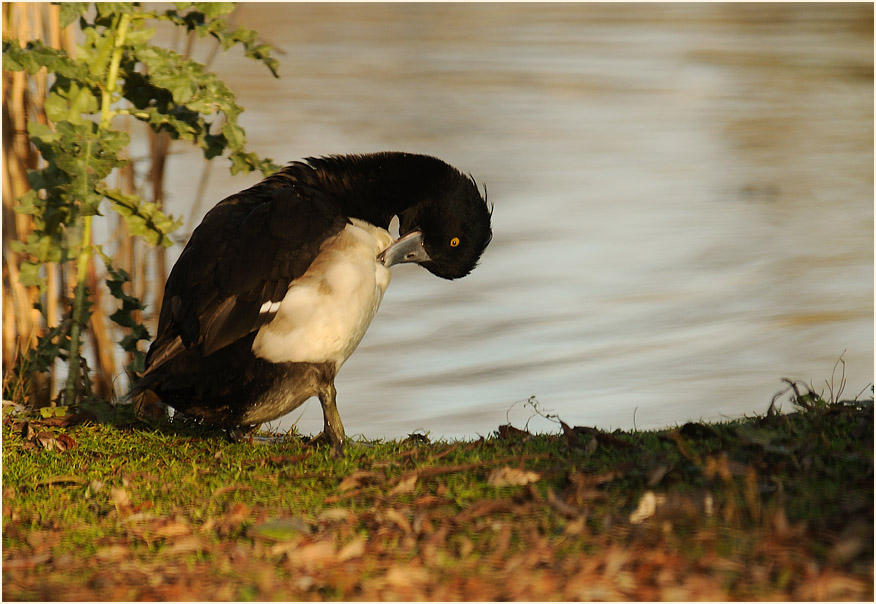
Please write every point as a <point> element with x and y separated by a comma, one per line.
<point>323,438</point>
<point>242,434</point>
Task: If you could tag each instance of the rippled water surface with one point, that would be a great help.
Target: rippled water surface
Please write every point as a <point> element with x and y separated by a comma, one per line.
<point>683,201</point>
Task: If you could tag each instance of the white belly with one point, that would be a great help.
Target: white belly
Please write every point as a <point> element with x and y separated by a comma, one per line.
<point>327,310</point>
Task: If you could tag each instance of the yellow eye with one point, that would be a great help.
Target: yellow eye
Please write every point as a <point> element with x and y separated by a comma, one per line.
<point>454,242</point>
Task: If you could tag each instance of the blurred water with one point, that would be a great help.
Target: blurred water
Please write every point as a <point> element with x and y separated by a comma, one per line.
<point>683,201</point>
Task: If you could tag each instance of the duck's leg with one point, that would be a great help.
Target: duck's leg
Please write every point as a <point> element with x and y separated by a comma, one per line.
<point>333,429</point>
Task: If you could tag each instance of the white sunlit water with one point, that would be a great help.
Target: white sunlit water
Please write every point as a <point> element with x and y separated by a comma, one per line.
<point>683,201</point>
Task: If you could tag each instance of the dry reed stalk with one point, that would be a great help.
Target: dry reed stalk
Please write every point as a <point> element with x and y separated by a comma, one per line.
<point>18,157</point>
<point>159,147</point>
<point>23,99</point>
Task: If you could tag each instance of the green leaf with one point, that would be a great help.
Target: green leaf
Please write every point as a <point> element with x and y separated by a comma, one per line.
<point>57,107</point>
<point>50,346</point>
<point>31,58</point>
<point>174,80</point>
<point>213,145</point>
<point>212,10</point>
<point>240,163</point>
<point>116,279</point>
<point>27,203</point>
<point>71,104</point>
<point>111,9</point>
<point>47,178</point>
<point>79,156</point>
<point>29,274</point>
<point>47,412</point>
<point>11,58</point>
<point>235,136</point>
<point>144,219</point>
<point>267,166</point>
<point>171,71</point>
<point>279,529</point>
<point>42,133</point>
<point>247,162</point>
<point>211,22</point>
<point>82,101</point>
<point>261,53</point>
<point>36,55</point>
<point>95,52</point>
<point>70,11</point>
<point>87,155</point>
<point>138,37</point>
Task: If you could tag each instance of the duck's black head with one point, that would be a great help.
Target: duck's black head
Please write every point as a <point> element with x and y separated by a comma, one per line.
<point>448,228</point>
<point>444,222</point>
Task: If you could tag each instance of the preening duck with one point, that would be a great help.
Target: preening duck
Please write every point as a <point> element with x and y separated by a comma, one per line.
<point>278,284</point>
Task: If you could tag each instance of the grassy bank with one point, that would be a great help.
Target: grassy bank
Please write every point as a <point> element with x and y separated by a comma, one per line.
<point>774,507</point>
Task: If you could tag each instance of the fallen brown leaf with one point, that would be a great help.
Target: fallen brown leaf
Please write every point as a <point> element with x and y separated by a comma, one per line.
<point>396,517</point>
<point>119,497</point>
<point>647,507</point>
<point>47,441</point>
<point>238,513</point>
<point>173,529</point>
<point>27,562</point>
<point>579,439</point>
<point>336,515</point>
<point>509,432</point>
<point>354,549</point>
<point>357,479</point>
<point>112,553</point>
<point>503,477</point>
<point>405,485</point>
<point>427,500</point>
<point>404,581</point>
<point>483,508</point>
<point>313,555</point>
<point>67,441</point>
<point>185,545</point>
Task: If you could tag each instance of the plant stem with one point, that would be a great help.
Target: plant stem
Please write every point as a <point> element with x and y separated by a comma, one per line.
<point>79,307</point>
<point>79,301</point>
<point>106,98</point>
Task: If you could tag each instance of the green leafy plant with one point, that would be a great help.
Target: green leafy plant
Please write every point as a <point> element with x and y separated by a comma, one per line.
<point>117,72</point>
<point>116,279</point>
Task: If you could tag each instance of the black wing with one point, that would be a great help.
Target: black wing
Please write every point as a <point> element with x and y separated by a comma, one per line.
<point>246,252</point>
